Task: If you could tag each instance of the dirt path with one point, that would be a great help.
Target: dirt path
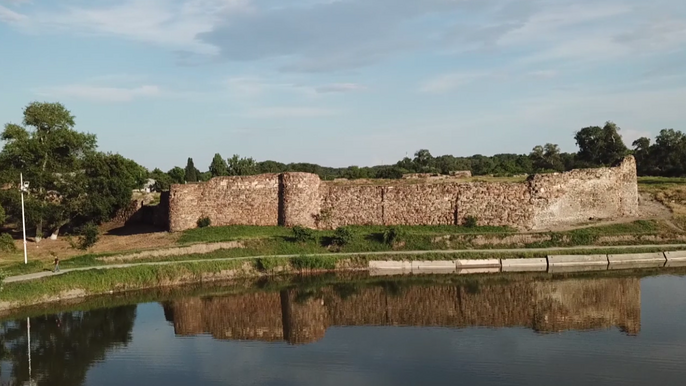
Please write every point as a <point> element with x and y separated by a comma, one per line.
<point>39,275</point>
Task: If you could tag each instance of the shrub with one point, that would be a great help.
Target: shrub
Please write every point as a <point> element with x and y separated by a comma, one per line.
<point>393,235</point>
<point>470,222</point>
<point>2,279</point>
<point>342,236</point>
<point>313,262</point>
<point>204,222</point>
<point>90,234</point>
<point>266,264</point>
<point>303,235</point>
<point>7,243</point>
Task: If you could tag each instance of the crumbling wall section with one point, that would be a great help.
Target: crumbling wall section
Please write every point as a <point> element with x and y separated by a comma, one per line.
<point>581,195</point>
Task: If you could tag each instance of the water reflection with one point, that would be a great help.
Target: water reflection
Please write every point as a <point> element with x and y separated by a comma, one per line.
<point>301,316</point>
<point>64,346</point>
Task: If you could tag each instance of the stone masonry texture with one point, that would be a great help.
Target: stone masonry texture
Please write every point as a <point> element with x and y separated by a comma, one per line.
<point>301,199</point>
<point>293,317</point>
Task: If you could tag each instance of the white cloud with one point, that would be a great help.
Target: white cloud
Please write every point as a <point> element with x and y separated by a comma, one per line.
<point>288,112</point>
<point>339,88</point>
<point>165,23</point>
<point>102,94</point>
<point>9,16</point>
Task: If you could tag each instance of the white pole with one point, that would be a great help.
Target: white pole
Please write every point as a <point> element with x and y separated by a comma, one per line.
<point>28,325</point>
<point>23,218</point>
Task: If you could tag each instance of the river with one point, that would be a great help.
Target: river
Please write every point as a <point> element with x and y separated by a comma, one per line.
<point>499,330</point>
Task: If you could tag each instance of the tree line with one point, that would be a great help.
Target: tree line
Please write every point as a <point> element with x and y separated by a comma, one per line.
<point>73,185</point>
<point>597,147</point>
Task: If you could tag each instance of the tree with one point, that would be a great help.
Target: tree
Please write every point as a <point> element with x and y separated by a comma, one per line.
<point>547,158</point>
<point>191,173</point>
<point>669,153</point>
<point>162,180</point>
<point>600,146</point>
<point>241,166</point>
<point>642,153</point>
<point>177,175</point>
<point>218,166</point>
<point>50,156</point>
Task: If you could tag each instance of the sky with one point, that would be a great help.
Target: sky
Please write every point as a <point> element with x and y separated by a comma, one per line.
<point>344,82</point>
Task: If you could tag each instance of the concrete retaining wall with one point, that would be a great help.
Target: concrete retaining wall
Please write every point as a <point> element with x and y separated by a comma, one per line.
<point>551,264</point>
<point>522,265</point>
<point>636,260</point>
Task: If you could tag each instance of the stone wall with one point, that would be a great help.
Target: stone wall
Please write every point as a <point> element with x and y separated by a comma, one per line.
<point>295,318</point>
<point>582,195</point>
<point>247,200</point>
<point>290,199</point>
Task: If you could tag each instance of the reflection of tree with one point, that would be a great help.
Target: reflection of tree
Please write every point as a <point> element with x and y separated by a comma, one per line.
<point>64,346</point>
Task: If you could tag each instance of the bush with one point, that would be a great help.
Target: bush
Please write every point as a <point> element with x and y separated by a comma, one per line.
<point>90,234</point>
<point>470,222</point>
<point>313,262</point>
<point>2,279</point>
<point>204,222</point>
<point>303,235</point>
<point>393,235</point>
<point>7,243</point>
<point>267,264</point>
<point>342,236</point>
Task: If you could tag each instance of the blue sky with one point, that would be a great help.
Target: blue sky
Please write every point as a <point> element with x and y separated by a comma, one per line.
<point>341,82</point>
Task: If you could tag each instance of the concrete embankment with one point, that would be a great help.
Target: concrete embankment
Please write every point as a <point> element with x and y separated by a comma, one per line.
<point>675,259</point>
<point>551,264</point>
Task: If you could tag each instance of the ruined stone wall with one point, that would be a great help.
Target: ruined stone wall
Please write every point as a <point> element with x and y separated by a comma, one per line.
<point>290,199</point>
<point>246,200</point>
<point>299,199</point>
<point>496,204</point>
<point>350,205</point>
<point>582,195</point>
<point>290,316</point>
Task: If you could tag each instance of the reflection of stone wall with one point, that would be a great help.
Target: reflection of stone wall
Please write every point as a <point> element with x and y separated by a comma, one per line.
<point>304,317</point>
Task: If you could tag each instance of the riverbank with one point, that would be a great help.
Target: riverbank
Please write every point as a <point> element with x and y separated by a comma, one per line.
<point>90,281</point>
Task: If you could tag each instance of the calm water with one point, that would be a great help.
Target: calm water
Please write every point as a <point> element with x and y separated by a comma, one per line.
<point>601,331</point>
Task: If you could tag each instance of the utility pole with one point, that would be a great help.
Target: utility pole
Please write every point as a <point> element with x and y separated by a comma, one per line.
<point>23,188</point>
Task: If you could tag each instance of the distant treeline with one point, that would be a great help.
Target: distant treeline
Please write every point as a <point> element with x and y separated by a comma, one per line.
<point>597,146</point>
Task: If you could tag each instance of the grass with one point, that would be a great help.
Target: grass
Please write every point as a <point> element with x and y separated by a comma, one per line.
<point>244,232</point>
<point>270,241</point>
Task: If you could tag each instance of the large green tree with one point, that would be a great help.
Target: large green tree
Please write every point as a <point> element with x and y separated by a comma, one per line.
<point>600,146</point>
<point>50,154</point>
<point>70,182</point>
<point>239,166</point>
<point>218,166</point>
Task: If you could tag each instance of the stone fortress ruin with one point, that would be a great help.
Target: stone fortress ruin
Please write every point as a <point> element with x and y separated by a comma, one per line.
<point>543,201</point>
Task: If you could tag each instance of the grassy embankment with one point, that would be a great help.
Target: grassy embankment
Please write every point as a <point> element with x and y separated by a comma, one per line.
<point>270,241</point>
